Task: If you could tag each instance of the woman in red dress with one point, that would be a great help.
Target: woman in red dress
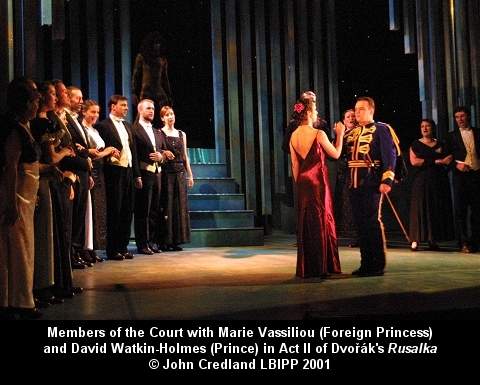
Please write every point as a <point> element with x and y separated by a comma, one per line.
<point>317,254</point>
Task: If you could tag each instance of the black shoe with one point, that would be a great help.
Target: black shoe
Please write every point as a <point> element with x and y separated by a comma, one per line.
<point>55,300</point>
<point>115,257</point>
<point>87,256</point>
<point>78,260</point>
<point>358,271</point>
<point>145,251</point>
<point>41,303</point>
<point>76,264</point>
<point>466,249</point>
<point>94,256</point>
<point>155,249</point>
<point>433,246</point>
<point>128,255</point>
<point>353,244</point>
<point>175,248</point>
<point>63,293</point>
<point>164,248</point>
<point>371,273</point>
<point>86,263</point>
<point>77,290</point>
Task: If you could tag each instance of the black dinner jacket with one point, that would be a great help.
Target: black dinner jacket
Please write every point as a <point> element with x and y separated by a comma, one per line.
<point>77,137</point>
<point>457,147</point>
<point>144,145</point>
<point>109,134</point>
<point>77,163</point>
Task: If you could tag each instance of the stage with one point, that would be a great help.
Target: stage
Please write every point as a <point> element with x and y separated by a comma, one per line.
<point>259,283</point>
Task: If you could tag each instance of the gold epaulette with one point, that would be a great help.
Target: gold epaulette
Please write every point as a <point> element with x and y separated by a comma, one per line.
<point>396,141</point>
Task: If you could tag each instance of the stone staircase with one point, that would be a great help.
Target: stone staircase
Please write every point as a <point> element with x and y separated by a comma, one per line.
<point>217,210</point>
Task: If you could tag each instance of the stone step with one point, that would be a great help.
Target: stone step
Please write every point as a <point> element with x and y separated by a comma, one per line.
<point>214,202</point>
<point>214,186</point>
<point>222,219</point>
<point>242,236</point>
<point>212,170</point>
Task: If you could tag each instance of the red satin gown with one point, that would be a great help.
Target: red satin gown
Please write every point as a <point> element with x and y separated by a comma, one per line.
<point>317,254</point>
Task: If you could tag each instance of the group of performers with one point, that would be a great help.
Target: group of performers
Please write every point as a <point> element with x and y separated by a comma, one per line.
<point>370,153</point>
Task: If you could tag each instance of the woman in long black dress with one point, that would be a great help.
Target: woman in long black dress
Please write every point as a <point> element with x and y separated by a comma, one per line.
<point>343,207</point>
<point>176,177</point>
<point>431,206</point>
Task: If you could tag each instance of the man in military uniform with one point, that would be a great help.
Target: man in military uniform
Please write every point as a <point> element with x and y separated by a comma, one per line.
<point>372,149</point>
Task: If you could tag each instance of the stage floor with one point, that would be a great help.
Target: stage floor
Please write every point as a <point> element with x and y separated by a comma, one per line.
<point>259,283</point>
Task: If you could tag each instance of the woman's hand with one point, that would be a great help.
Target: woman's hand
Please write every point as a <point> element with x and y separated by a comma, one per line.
<point>155,156</point>
<point>190,182</point>
<point>79,147</point>
<point>94,153</point>
<point>68,151</point>
<point>114,152</point>
<point>463,167</point>
<point>339,129</point>
<point>169,155</point>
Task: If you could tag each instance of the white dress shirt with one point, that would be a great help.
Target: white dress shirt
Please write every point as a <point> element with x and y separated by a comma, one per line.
<point>469,141</point>
<point>79,127</point>
<point>125,155</point>
<point>147,126</point>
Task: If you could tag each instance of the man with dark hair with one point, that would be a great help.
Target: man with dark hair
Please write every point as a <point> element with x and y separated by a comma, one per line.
<point>79,166</point>
<point>465,145</point>
<point>120,174</point>
<point>373,151</point>
<point>80,139</point>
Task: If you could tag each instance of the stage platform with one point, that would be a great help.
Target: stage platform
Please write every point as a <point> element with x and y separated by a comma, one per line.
<point>259,283</point>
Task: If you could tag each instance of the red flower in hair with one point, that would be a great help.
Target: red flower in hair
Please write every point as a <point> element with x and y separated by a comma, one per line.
<point>298,107</point>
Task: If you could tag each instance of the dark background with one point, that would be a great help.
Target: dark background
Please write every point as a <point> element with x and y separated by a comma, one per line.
<point>371,62</point>
<point>186,28</point>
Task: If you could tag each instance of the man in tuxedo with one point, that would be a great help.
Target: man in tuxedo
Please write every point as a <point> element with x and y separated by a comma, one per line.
<point>465,146</point>
<point>148,141</point>
<point>121,175</point>
<point>85,183</point>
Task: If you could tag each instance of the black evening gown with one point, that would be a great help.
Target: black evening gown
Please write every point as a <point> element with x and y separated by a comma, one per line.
<point>431,216</point>
<point>174,194</point>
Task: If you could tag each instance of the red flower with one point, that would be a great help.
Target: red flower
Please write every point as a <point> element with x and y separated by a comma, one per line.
<point>299,107</point>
